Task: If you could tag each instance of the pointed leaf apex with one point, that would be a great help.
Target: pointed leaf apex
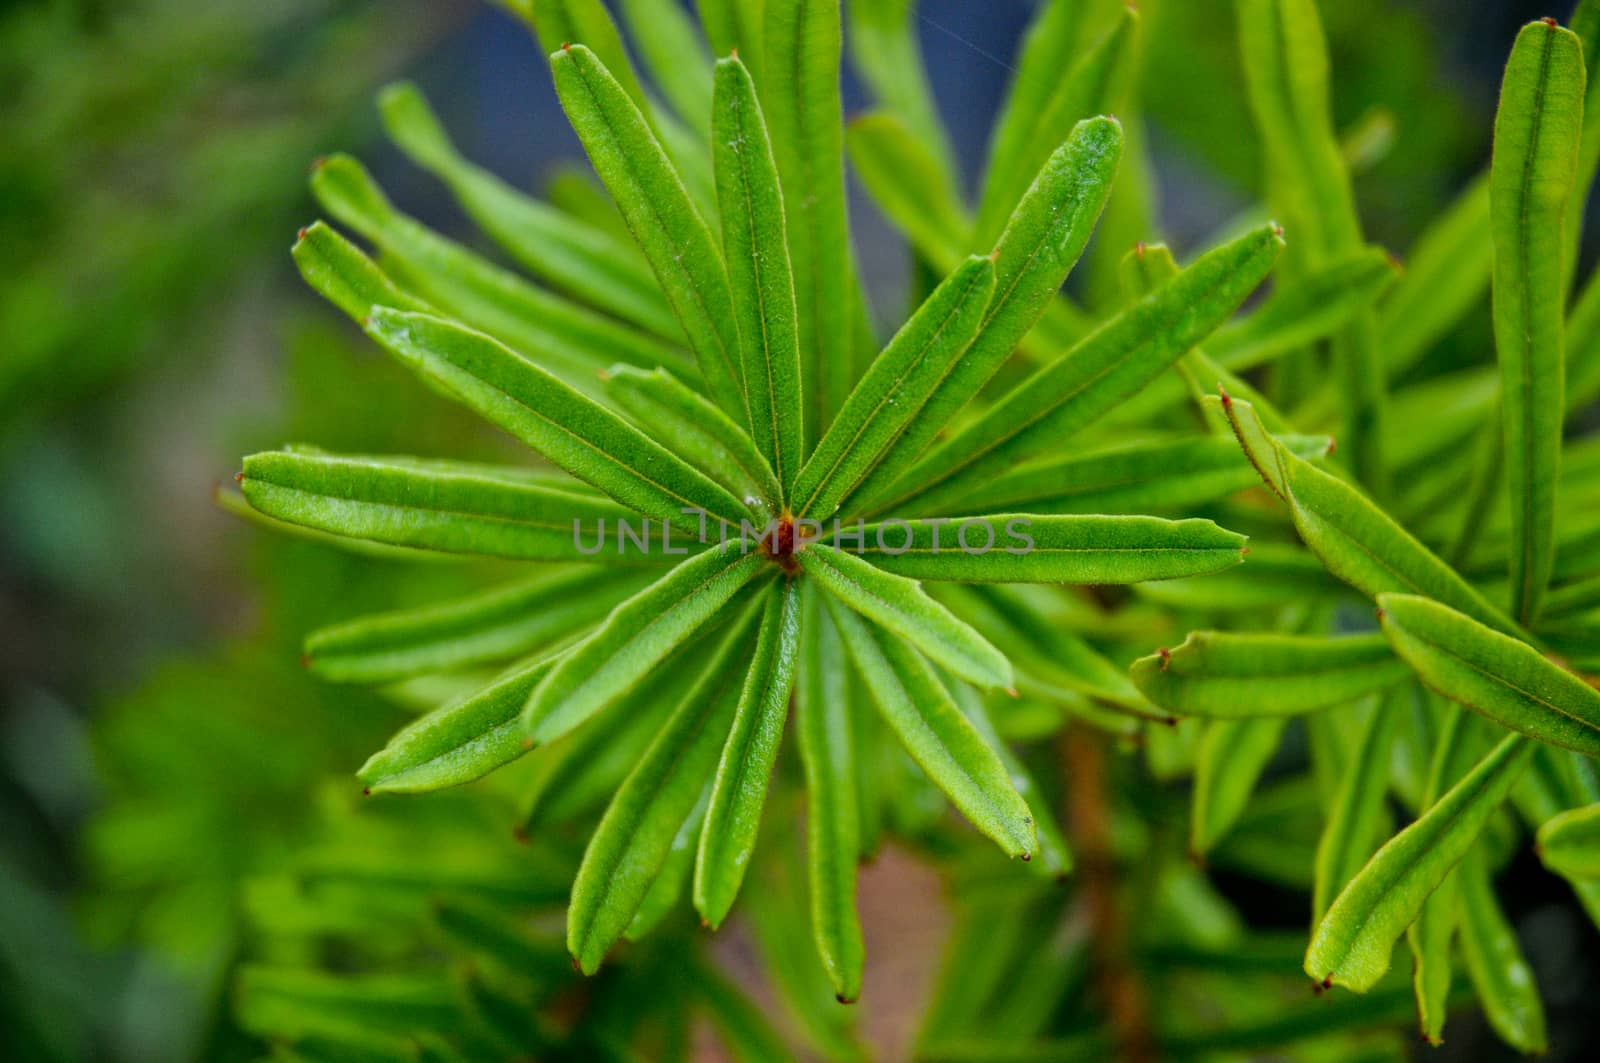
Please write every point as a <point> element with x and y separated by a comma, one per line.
<point>1548,21</point>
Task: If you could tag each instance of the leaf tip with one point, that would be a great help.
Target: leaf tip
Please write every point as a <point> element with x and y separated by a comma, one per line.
<point>1026,856</point>
<point>1138,250</point>
<point>519,834</point>
<point>1277,232</point>
<point>1227,400</point>
<point>366,791</point>
<point>1166,658</point>
<point>841,997</point>
<point>238,477</point>
<point>1548,21</point>
<point>1013,692</point>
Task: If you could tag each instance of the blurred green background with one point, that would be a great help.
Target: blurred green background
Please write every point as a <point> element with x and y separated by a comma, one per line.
<point>159,744</point>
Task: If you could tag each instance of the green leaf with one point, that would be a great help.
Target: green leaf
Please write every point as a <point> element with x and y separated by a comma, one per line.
<point>891,395</point>
<point>676,55</point>
<point>1272,577</point>
<point>1301,312</point>
<point>1502,977</point>
<point>1047,234</point>
<point>1569,844</point>
<point>909,185</point>
<point>637,636</point>
<point>545,327</point>
<point>1177,475</point>
<point>885,48</point>
<point>493,626</point>
<point>285,1002</point>
<point>1537,131</point>
<point>1351,945</point>
<point>1228,676</point>
<point>672,881</point>
<point>583,261</point>
<point>755,242</point>
<point>745,769</point>
<point>1431,934</point>
<point>1445,275</point>
<point>1356,540</point>
<point>1500,677</point>
<point>574,432</point>
<point>1104,369</point>
<point>735,26</point>
<point>700,432</point>
<point>1034,123</point>
<point>939,738</point>
<point>470,510</point>
<point>826,737</point>
<point>460,742</point>
<point>1231,758</point>
<point>341,274</point>
<point>639,830</point>
<point>901,606</point>
<point>668,228</point>
<point>1359,817</point>
<point>1012,548</point>
<point>801,94</point>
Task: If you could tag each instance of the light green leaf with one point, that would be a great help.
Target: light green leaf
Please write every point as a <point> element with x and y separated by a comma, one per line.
<point>1359,817</point>
<point>699,431</point>
<point>574,432</point>
<point>675,54</point>
<point>1569,844</point>
<point>756,244</point>
<point>894,390</point>
<point>1537,131</point>
<point>1226,676</point>
<point>583,261</point>
<point>801,94</point>
<point>826,736</point>
<point>745,769</point>
<point>1179,474</point>
<point>1500,677</point>
<point>1357,541</point>
<point>1272,577</point>
<point>637,636</point>
<point>1445,275</point>
<point>1046,236</point>
<point>1014,548</point>
<point>472,510</point>
<point>939,738</point>
<point>1107,367</point>
<point>493,626</point>
<point>668,228</point>
<point>735,26</point>
<point>1229,763</point>
<point>909,185</point>
<point>901,606</point>
<point>1351,945</point>
<point>1303,311</point>
<point>341,274</point>
<point>639,830</point>
<point>885,48</point>
<point>458,743</point>
<point>1502,977</point>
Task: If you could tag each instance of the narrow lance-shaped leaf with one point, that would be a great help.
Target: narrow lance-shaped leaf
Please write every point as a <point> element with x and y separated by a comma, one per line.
<point>804,42</point>
<point>895,388</point>
<point>672,881</point>
<point>907,183</point>
<point>1358,542</point>
<point>1273,577</point>
<point>745,770</point>
<point>574,432</point>
<point>885,47</point>
<point>637,636</point>
<point>572,256</point>
<point>1227,676</point>
<point>902,607</point>
<point>1537,131</point>
<point>1500,974</point>
<point>826,737</point>
<point>1105,368</point>
<point>344,276</point>
<point>1432,933</point>
<point>493,626</point>
<point>1500,677</point>
<point>1156,477</point>
<point>667,408</point>
<point>1061,66</point>
<point>545,327</point>
<point>636,835</point>
<point>1229,763</point>
<point>755,243</point>
<point>1015,548</point>
<point>458,743</point>
<point>1043,241</point>
<point>1359,818</point>
<point>1351,945</point>
<point>674,51</point>
<point>1569,844</point>
<point>1444,277</point>
<point>466,510</point>
<point>657,208</point>
<point>917,707</point>
<point>735,25</point>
